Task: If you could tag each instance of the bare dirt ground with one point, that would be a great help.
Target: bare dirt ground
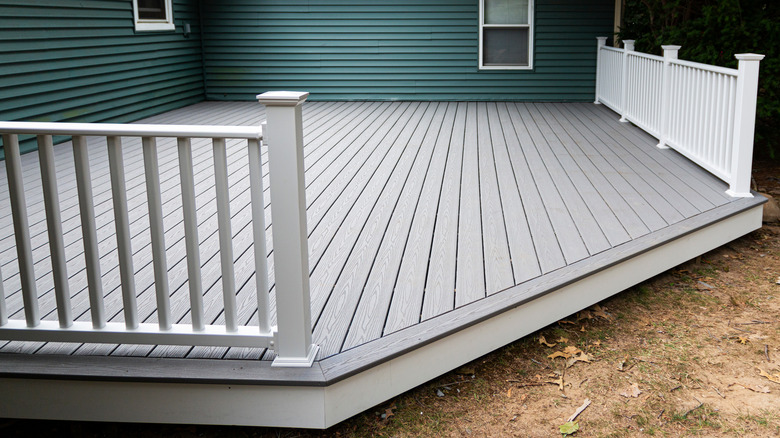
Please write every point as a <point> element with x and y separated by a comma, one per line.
<point>694,351</point>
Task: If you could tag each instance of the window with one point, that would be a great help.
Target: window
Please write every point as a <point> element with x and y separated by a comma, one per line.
<point>506,34</point>
<point>153,15</point>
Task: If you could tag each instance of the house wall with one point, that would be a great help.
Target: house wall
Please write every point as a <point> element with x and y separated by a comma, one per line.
<point>83,61</point>
<point>393,49</point>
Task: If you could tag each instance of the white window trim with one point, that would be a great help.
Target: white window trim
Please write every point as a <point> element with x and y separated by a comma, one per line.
<point>154,25</point>
<point>529,26</point>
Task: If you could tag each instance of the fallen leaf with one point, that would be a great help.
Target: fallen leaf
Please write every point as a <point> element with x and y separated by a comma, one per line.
<point>600,312</point>
<point>569,428</point>
<point>743,340</point>
<point>582,329</point>
<point>596,343</point>
<point>563,321</point>
<point>558,354</point>
<point>584,314</point>
<point>566,353</point>
<point>543,341</point>
<point>772,377</point>
<point>509,392</point>
<point>583,357</point>
<point>388,413</point>
<point>632,391</point>
<point>563,340</point>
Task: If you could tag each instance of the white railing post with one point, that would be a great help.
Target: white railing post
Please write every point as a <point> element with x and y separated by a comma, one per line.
<point>600,42</point>
<point>628,46</point>
<point>284,136</point>
<point>670,52</point>
<point>744,125</point>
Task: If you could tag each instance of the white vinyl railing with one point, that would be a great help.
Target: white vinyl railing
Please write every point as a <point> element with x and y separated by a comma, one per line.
<point>291,339</point>
<point>706,113</point>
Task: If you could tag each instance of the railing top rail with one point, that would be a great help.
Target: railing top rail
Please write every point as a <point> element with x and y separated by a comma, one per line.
<point>707,67</point>
<point>611,49</point>
<point>646,56</point>
<point>131,130</point>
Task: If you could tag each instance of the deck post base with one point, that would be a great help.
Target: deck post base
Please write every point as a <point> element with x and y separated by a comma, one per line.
<point>305,361</point>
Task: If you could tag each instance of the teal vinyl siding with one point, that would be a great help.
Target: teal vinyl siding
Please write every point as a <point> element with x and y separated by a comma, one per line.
<point>393,49</point>
<point>83,61</point>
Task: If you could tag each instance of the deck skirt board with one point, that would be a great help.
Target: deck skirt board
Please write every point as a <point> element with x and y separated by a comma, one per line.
<point>417,211</point>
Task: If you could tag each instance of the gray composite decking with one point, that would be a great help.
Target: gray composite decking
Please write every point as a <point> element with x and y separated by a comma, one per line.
<point>414,209</point>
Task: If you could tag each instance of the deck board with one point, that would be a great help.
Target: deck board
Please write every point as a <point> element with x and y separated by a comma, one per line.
<point>387,228</point>
<point>408,294</point>
<point>439,294</point>
<point>568,236</point>
<point>415,210</point>
<point>470,270</point>
<point>521,246</point>
<point>497,262</point>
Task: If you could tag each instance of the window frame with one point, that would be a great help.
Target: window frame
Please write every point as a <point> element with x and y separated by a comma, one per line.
<point>147,25</point>
<point>529,26</point>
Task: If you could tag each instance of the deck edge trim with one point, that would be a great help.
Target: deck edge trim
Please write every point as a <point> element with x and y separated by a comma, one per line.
<point>441,326</point>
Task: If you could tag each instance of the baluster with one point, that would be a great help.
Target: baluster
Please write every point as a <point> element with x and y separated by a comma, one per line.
<point>225,234</point>
<point>157,231</point>
<point>600,42</point>
<point>628,46</point>
<point>258,234</point>
<point>191,232</point>
<point>13,163</point>
<point>717,121</point>
<point>689,109</point>
<point>732,104</point>
<point>709,111</point>
<point>3,309</point>
<point>51,201</point>
<point>122,223</point>
<point>89,231</point>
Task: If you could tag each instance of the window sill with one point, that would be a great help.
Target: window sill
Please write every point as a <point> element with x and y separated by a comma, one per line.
<point>506,67</point>
<point>154,26</point>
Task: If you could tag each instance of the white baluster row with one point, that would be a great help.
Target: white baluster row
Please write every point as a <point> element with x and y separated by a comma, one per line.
<point>292,342</point>
<point>706,113</point>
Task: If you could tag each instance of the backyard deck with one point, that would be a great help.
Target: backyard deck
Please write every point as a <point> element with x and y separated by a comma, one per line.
<point>426,220</point>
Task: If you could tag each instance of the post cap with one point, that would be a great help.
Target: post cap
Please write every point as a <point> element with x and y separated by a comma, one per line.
<point>282,98</point>
<point>628,44</point>
<point>602,39</point>
<point>749,57</point>
<point>671,47</point>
